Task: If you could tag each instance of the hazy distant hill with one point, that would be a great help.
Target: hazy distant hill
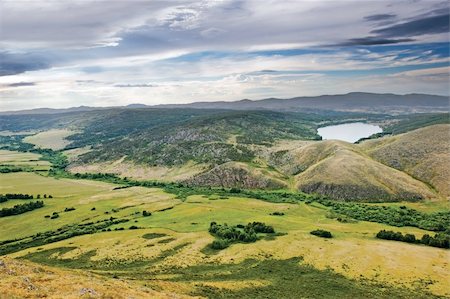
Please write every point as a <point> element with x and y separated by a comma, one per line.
<point>355,102</point>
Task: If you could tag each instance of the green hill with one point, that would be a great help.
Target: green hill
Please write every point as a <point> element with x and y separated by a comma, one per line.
<point>253,149</point>
<point>423,154</point>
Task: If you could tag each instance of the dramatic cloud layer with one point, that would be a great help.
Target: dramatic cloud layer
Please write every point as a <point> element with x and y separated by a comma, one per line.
<point>87,52</point>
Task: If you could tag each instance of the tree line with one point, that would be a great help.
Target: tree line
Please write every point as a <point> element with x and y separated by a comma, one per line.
<point>438,240</point>
<point>8,196</point>
<point>395,216</point>
<point>20,209</point>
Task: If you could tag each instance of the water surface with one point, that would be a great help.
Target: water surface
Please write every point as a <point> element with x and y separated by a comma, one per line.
<point>350,132</point>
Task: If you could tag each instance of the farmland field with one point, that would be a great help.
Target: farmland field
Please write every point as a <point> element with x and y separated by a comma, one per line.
<point>28,160</point>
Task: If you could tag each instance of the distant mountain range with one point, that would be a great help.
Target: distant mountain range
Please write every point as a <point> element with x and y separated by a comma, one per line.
<point>355,101</point>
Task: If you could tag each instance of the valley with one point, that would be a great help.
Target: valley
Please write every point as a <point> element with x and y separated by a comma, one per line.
<point>132,206</point>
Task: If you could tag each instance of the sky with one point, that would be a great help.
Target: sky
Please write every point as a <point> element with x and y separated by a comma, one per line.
<point>108,53</point>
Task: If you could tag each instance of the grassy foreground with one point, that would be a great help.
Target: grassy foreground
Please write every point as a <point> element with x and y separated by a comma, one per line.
<point>169,250</point>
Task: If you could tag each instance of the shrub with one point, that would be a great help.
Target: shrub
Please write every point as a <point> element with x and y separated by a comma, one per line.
<point>277,214</point>
<point>219,244</point>
<point>321,233</point>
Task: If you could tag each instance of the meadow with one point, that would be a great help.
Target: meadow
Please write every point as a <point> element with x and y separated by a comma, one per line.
<point>169,250</point>
<point>24,160</point>
<point>148,230</point>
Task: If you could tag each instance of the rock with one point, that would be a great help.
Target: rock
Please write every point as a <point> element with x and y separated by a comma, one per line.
<point>88,291</point>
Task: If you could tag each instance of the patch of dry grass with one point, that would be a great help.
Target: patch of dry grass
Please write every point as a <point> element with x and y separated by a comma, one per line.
<point>23,279</point>
<point>54,139</point>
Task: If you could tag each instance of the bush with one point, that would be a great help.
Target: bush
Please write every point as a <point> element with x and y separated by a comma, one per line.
<point>321,233</point>
<point>277,214</point>
<point>146,214</point>
<point>239,233</point>
<point>219,244</point>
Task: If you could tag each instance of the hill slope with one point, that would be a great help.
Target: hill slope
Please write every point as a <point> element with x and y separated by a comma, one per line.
<point>342,171</point>
<point>23,279</point>
<point>423,153</point>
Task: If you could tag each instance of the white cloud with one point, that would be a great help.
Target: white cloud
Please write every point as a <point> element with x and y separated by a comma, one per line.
<point>88,47</point>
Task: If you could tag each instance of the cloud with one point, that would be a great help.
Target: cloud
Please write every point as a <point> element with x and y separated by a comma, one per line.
<point>84,51</point>
<point>20,84</point>
<point>429,25</point>
<point>379,17</point>
<point>135,85</point>
<point>372,41</point>
<point>16,63</point>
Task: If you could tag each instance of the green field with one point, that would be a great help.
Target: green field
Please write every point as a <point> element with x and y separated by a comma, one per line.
<point>26,160</point>
<point>353,260</point>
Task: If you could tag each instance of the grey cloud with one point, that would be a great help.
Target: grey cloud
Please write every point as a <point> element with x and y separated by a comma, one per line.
<point>135,85</point>
<point>428,25</point>
<point>379,17</point>
<point>16,63</point>
<point>372,41</point>
<point>74,24</point>
<point>19,84</point>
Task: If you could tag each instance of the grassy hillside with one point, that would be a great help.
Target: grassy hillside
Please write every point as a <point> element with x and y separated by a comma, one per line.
<point>23,279</point>
<point>54,139</point>
<point>345,173</point>
<point>244,149</point>
<point>423,153</point>
<point>214,139</point>
<point>168,250</point>
<point>239,175</point>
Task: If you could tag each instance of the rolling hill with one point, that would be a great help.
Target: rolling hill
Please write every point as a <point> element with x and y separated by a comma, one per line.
<point>423,154</point>
<point>251,149</point>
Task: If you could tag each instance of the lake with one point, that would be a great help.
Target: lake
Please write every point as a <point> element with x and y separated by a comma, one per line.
<point>350,132</point>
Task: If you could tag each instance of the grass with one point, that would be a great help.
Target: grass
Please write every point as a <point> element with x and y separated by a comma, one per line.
<point>288,278</point>
<point>82,194</point>
<point>22,279</point>
<point>354,252</point>
<point>26,160</point>
<point>54,139</point>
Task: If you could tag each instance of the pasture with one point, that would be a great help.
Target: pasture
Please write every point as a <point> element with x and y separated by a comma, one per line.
<point>26,160</point>
<point>176,236</point>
